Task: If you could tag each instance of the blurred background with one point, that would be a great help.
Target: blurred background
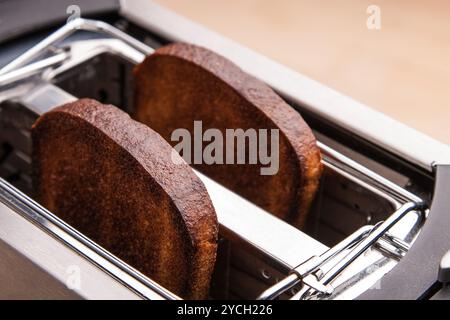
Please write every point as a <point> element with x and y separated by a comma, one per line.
<point>401,69</point>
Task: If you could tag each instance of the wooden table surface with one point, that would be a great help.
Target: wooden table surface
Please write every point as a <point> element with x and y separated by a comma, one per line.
<point>403,69</point>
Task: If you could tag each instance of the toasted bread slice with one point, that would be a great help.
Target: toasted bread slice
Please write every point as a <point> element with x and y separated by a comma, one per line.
<point>182,83</point>
<point>114,180</point>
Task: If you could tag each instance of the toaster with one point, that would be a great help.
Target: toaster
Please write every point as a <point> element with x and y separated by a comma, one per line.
<point>378,228</point>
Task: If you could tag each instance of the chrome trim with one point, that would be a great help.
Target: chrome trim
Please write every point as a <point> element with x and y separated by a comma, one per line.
<point>252,225</point>
<point>65,31</point>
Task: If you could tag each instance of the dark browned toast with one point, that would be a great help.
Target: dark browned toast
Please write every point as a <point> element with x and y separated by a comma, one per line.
<point>112,178</point>
<point>182,83</point>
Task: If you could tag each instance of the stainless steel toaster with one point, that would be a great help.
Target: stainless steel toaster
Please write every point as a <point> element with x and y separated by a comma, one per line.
<point>379,226</point>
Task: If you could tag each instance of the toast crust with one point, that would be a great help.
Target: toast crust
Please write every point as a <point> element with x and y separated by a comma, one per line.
<point>181,83</point>
<point>112,178</point>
